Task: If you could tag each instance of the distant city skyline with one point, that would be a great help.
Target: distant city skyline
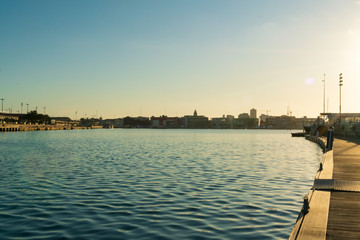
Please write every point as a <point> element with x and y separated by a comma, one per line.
<point>151,58</point>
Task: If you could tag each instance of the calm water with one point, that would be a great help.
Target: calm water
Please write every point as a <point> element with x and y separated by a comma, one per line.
<point>153,184</point>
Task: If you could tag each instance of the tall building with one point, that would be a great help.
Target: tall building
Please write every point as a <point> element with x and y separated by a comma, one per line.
<point>253,113</point>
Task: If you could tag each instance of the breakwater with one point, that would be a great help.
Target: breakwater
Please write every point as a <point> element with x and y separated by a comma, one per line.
<point>40,127</point>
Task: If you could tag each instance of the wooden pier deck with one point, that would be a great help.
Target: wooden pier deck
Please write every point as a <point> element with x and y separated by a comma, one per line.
<point>344,212</point>
<point>335,197</point>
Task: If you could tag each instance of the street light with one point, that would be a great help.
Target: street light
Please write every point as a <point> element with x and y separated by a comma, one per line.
<point>27,108</point>
<point>340,85</point>
<point>22,104</point>
<point>324,95</point>
<point>2,105</point>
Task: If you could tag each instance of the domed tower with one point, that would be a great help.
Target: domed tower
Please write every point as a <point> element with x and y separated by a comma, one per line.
<point>195,113</point>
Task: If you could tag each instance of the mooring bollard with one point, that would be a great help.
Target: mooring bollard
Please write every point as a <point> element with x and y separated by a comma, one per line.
<point>321,167</point>
<point>306,206</point>
<point>330,139</point>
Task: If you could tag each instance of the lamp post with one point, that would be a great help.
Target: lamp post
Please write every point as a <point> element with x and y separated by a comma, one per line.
<point>324,95</point>
<point>340,85</point>
<point>27,108</point>
<point>22,104</point>
<point>2,105</point>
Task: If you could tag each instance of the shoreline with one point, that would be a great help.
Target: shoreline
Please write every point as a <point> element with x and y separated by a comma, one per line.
<point>42,127</point>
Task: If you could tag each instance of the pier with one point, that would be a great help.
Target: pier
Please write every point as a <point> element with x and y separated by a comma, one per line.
<point>331,210</point>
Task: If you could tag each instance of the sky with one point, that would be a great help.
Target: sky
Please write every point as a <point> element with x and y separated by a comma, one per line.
<point>92,58</point>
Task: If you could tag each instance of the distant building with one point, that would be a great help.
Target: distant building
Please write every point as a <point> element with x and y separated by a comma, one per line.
<point>119,123</point>
<point>262,120</point>
<point>244,115</point>
<point>263,117</point>
<point>245,123</point>
<point>230,120</point>
<point>244,120</point>
<point>165,122</point>
<point>305,122</point>
<point>220,123</point>
<point>107,123</point>
<point>89,122</point>
<point>253,113</point>
<point>195,121</point>
<point>61,120</point>
<point>347,117</point>
<point>110,123</point>
<point>280,122</point>
<point>137,122</point>
<point>10,116</point>
<point>286,122</point>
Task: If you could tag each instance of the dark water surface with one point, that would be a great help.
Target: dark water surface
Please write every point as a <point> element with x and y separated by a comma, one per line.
<point>153,184</point>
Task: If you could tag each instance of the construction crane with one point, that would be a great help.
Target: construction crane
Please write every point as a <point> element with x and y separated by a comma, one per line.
<point>267,111</point>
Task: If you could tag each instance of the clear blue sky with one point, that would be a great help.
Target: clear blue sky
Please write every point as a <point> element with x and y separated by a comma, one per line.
<point>120,58</point>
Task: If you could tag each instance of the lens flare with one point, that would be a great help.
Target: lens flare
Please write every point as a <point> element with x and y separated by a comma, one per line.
<point>309,81</point>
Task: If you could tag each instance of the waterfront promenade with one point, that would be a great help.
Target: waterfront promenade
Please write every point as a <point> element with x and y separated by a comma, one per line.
<point>334,200</point>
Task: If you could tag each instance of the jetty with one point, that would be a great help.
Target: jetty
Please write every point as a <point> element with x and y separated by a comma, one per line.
<point>331,210</point>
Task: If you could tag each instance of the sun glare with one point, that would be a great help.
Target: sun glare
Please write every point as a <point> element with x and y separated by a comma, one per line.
<point>309,81</point>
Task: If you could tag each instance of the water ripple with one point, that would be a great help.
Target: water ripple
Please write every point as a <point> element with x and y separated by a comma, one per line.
<point>153,184</point>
